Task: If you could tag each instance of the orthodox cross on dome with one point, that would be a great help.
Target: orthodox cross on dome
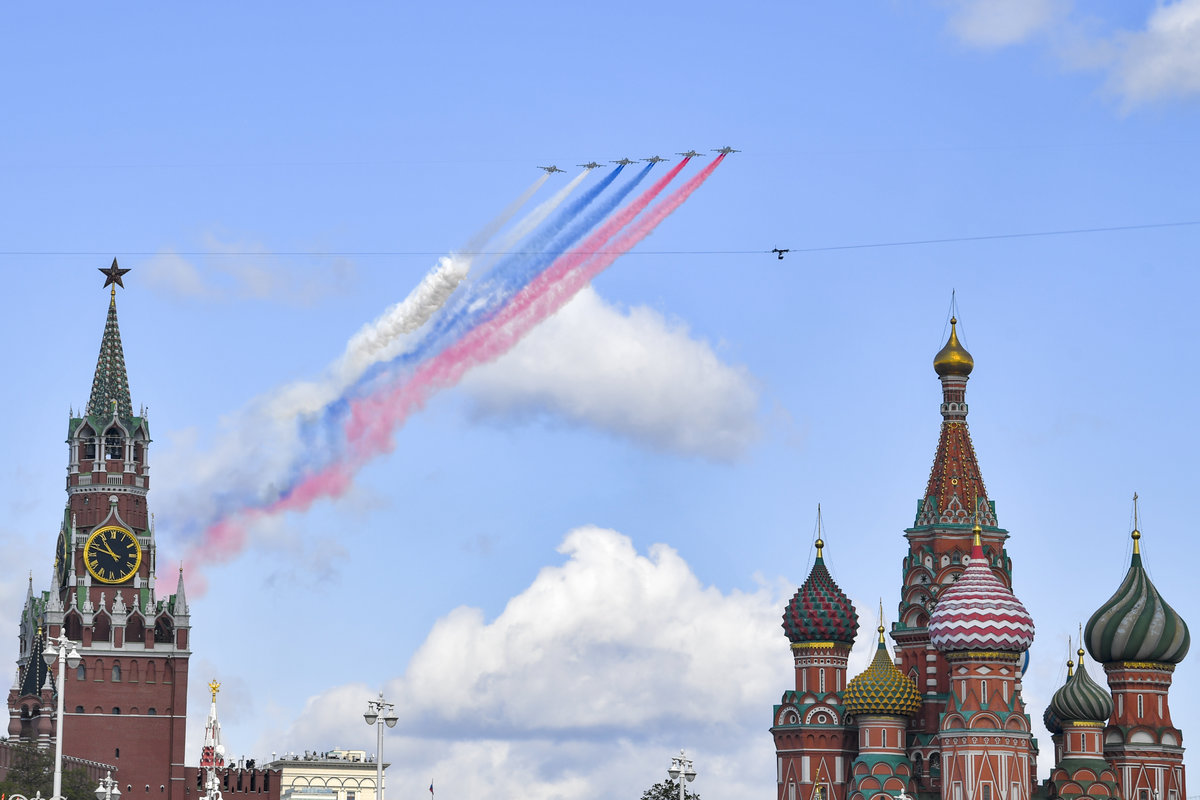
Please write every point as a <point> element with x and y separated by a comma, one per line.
<point>214,687</point>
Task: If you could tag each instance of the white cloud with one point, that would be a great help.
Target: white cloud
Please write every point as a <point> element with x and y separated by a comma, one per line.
<point>1159,61</point>
<point>1000,23</point>
<point>633,373</point>
<point>583,686</point>
<point>244,271</point>
<point>1163,60</point>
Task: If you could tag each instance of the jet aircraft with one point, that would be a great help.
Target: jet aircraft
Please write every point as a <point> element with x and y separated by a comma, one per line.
<point>590,165</point>
<point>691,154</point>
<point>655,159</point>
<point>726,150</point>
<point>550,170</point>
<point>625,162</point>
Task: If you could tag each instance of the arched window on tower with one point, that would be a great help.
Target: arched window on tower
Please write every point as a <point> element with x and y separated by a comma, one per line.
<point>87,437</point>
<point>164,631</point>
<point>74,626</point>
<point>116,673</point>
<point>135,629</point>
<point>150,676</point>
<point>114,444</point>
<point>101,628</point>
<point>81,672</point>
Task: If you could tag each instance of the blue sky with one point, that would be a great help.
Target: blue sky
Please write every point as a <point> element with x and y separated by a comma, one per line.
<point>575,563</point>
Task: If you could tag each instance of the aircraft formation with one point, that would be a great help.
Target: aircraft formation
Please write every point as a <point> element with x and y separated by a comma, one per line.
<point>625,162</point>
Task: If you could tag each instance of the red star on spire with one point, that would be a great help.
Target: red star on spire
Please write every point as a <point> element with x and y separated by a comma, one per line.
<point>113,275</point>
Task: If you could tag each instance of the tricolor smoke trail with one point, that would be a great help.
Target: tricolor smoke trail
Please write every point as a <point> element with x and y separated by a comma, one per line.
<point>374,340</point>
<point>371,419</point>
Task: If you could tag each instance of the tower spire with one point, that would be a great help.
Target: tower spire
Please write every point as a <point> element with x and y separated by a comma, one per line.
<point>955,492</point>
<point>110,385</point>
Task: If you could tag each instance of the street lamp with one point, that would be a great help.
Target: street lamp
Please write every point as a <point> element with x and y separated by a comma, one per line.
<point>63,651</point>
<point>380,712</point>
<point>682,765</point>
<point>108,788</point>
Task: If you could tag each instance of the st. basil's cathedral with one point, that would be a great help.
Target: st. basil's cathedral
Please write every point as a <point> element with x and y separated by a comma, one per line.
<point>944,718</point>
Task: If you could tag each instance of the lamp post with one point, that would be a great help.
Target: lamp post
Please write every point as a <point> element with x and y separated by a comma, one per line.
<point>682,765</point>
<point>63,651</point>
<point>108,788</point>
<point>380,712</point>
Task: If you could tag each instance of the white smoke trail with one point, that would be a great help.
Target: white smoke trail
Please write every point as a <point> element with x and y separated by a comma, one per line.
<point>531,220</point>
<point>377,340</point>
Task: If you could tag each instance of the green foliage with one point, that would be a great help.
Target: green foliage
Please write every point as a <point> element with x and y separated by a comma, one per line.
<point>32,771</point>
<point>668,790</point>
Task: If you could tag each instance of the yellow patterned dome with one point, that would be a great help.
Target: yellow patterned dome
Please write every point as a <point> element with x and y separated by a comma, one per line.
<point>953,359</point>
<point>882,688</point>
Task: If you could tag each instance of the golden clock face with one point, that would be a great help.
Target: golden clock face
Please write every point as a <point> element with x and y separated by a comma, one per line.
<point>112,554</point>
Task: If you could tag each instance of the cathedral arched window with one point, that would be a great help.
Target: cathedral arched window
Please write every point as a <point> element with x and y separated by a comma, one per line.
<point>1141,710</point>
<point>116,673</point>
<point>78,709</point>
<point>81,671</point>
<point>152,711</point>
<point>821,681</point>
<point>116,709</point>
<point>114,444</point>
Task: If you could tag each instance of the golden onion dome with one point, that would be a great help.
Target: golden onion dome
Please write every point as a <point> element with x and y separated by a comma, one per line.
<point>953,359</point>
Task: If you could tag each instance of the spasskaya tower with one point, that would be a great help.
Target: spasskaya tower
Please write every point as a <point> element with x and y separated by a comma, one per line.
<point>126,703</point>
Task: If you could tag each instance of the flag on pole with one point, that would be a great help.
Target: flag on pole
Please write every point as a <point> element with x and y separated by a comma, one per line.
<point>431,788</point>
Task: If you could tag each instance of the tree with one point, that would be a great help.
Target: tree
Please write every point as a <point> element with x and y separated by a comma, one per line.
<point>668,790</point>
<point>32,771</point>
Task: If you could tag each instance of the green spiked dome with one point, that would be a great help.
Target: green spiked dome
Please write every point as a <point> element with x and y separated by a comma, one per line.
<point>1081,699</point>
<point>882,688</point>
<point>820,611</point>
<point>1136,624</point>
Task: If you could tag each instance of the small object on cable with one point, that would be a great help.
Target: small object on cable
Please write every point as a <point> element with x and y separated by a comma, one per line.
<point>780,251</point>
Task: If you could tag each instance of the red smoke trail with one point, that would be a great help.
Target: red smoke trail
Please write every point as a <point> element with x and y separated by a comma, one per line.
<point>374,419</point>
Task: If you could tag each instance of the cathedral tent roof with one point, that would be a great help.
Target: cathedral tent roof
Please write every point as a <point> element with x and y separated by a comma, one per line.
<point>1136,624</point>
<point>978,612</point>
<point>882,688</point>
<point>1081,699</point>
<point>820,611</point>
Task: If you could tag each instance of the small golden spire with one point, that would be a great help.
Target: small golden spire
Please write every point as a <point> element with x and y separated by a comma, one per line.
<point>880,629</point>
<point>820,541</point>
<point>214,687</point>
<point>1136,533</point>
<point>977,531</point>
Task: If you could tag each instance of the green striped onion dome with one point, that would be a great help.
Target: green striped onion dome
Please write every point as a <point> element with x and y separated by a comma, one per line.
<point>1052,722</point>
<point>882,688</point>
<point>1081,699</point>
<point>820,611</point>
<point>1136,624</point>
